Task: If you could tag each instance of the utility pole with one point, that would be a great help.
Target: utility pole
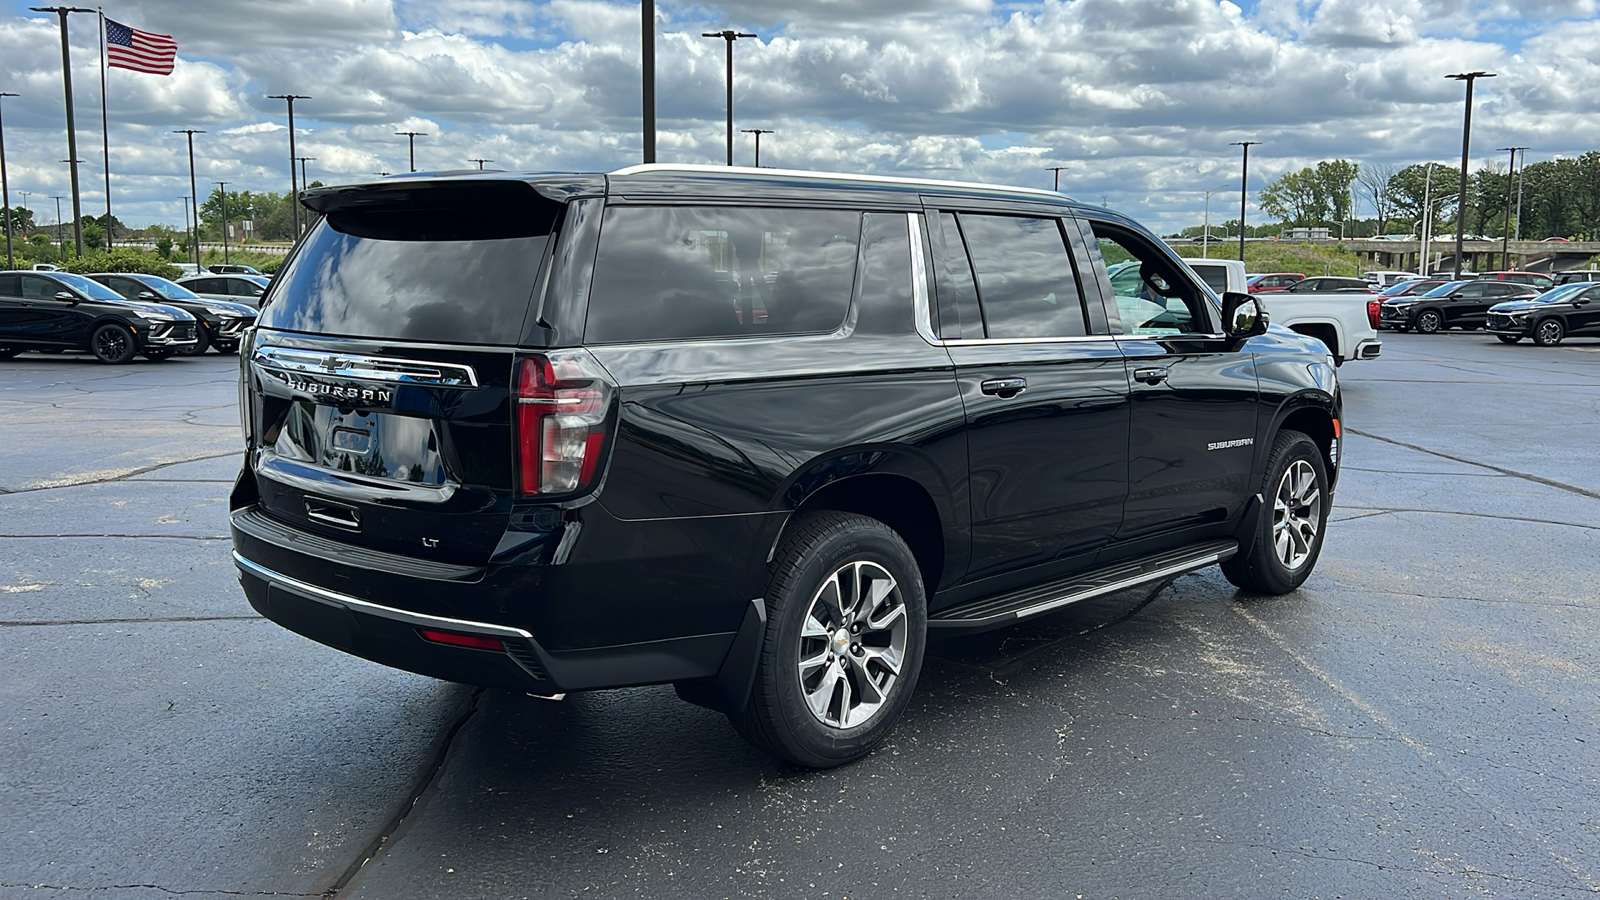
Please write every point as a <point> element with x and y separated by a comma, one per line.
<point>72,126</point>
<point>729,36</point>
<point>5,186</point>
<point>1244,189</point>
<point>480,162</point>
<point>194,193</point>
<point>1521,170</point>
<point>758,132</point>
<point>61,239</point>
<point>647,62</point>
<point>1505,239</point>
<point>1466,146</point>
<point>222,191</point>
<point>188,231</point>
<point>1058,170</point>
<point>411,142</point>
<point>294,190</point>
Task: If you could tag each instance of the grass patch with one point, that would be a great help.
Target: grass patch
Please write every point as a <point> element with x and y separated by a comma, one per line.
<point>1284,256</point>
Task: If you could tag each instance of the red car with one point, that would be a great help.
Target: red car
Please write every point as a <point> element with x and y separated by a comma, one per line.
<point>1276,281</point>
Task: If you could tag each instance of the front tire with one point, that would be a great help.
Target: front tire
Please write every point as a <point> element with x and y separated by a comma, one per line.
<point>1549,333</point>
<point>1289,532</point>
<point>846,626</point>
<point>1429,322</point>
<point>112,344</point>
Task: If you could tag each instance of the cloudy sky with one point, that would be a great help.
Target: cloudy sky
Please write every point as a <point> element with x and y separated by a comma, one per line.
<point>1138,98</point>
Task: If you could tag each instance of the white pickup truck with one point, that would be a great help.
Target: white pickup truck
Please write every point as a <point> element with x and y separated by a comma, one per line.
<point>1346,323</point>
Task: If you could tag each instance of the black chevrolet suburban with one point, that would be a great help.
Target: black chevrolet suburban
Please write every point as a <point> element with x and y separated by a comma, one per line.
<point>754,433</point>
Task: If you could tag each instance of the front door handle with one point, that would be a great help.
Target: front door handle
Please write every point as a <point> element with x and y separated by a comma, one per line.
<point>1005,388</point>
<point>1150,375</point>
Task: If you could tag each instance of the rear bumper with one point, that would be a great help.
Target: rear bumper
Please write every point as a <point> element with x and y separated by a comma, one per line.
<point>1368,349</point>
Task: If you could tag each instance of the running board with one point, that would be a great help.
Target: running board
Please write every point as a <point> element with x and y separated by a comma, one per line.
<point>1003,609</point>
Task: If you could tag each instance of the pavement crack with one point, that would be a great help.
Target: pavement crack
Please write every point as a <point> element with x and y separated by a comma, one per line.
<point>1526,476</point>
<point>67,482</point>
<point>427,779</point>
<point>23,623</point>
<point>151,887</point>
<point>1378,511</point>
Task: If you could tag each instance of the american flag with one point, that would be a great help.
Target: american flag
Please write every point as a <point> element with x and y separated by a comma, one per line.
<point>141,51</point>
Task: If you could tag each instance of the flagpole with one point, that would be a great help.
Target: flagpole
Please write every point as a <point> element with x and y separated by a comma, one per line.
<point>105,135</point>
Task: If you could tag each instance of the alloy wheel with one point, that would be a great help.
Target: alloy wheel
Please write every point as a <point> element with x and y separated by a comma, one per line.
<point>110,343</point>
<point>1549,334</point>
<point>852,644</point>
<point>1429,322</point>
<point>1296,514</point>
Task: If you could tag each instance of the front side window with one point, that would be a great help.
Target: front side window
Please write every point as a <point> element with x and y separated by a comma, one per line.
<point>667,273</point>
<point>1152,296</point>
<point>1026,284</point>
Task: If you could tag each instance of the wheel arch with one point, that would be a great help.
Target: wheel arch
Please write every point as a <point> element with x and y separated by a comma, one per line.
<point>1313,413</point>
<point>892,496</point>
<point>1325,331</point>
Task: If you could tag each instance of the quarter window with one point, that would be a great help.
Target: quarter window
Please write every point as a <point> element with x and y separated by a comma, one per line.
<point>679,273</point>
<point>1026,284</point>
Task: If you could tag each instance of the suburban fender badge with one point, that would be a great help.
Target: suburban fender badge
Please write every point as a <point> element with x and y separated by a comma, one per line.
<point>1228,445</point>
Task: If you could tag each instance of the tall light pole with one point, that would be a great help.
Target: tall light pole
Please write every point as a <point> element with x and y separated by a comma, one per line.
<point>5,186</point>
<point>1505,239</point>
<point>729,36</point>
<point>480,162</point>
<point>647,65</point>
<point>411,142</point>
<point>194,193</point>
<point>188,232</point>
<point>1521,171</point>
<point>758,132</point>
<point>60,238</point>
<point>222,192</point>
<point>1058,170</point>
<point>1205,233</point>
<point>72,126</point>
<point>1466,146</point>
<point>294,204</point>
<point>1244,188</point>
<point>303,182</point>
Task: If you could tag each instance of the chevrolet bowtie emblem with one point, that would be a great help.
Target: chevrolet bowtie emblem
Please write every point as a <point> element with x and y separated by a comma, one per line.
<point>334,364</point>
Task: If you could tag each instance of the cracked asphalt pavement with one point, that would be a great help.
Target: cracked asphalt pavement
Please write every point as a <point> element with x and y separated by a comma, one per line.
<point>1420,720</point>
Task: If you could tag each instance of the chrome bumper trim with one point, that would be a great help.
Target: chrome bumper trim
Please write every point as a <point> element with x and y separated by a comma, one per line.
<point>334,598</point>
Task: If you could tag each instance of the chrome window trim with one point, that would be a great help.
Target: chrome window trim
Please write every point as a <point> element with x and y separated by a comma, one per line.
<point>334,598</point>
<point>1073,339</point>
<point>356,367</point>
<point>919,281</point>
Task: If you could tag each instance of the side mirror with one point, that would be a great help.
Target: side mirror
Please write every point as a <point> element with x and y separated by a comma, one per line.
<point>1457,295</point>
<point>1243,315</point>
<point>149,295</point>
<point>66,296</point>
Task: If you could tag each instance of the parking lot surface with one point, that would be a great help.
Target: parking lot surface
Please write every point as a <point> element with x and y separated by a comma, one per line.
<point>1420,720</point>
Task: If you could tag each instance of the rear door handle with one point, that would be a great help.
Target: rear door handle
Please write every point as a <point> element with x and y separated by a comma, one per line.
<point>1005,388</point>
<point>1150,375</point>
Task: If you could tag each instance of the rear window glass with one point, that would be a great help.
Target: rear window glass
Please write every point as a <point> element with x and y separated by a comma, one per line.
<point>1215,277</point>
<point>429,270</point>
<point>1026,283</point>
<point>676,273</point>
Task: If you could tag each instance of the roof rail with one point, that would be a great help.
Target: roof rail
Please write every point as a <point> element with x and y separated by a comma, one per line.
<point>701,169</point>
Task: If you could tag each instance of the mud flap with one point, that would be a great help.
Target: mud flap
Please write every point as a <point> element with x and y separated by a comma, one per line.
<point>727,691</point>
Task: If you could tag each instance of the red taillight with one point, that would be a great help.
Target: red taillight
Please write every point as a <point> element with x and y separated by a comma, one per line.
<point>1374,307</point>
<point>562,399</point>
<point>457,639</point>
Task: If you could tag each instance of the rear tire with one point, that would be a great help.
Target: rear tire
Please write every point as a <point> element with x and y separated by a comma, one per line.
<point>846,625</point>
<point>112,344</point>
<point>1549,332</point>
<point>1293,519</point>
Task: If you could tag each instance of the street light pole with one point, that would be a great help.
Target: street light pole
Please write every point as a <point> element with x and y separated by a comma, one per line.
<point>303,182</point>
<point>72,125</point>
<point>222,191</point>
<point>1244,188</point>
<point>480,162</point>
<point>1505,239</point>
<point>411,143</point>
<point>294,205</point>
<point>729,36</point>
<point>758,132</point>
<point>61,239</point>
<point>194,193</point>
<point>647,61</point>
<point>1466,146</point>
<point>1058,170</point>
<point>1521,171</point>
<point>1205,233</point>
<point>5,186</point>
<point>187,231</point>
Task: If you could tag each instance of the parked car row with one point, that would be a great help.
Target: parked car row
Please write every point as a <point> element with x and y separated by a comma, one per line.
<point>1510,310</point>
<point>114,316</point>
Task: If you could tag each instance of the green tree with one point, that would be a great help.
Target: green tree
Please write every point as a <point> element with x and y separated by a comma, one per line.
<point>1411,184</point>
<point>1293,198</point>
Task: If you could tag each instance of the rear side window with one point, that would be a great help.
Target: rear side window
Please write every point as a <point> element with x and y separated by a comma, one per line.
<point>667,273</point>
<point>1026,283</point>
<point>453,264</point>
